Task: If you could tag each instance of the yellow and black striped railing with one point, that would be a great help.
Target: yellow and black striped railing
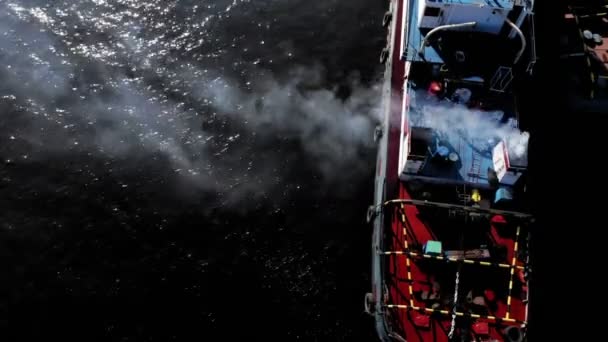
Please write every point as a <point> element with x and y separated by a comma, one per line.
<point>464,208</point>
<point>407,259</point>
<point>513,263</point>
<point>453,259</point>
<point>457,313</point>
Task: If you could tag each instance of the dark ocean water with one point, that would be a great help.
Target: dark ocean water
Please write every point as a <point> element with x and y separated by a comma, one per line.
<point>186,170</point>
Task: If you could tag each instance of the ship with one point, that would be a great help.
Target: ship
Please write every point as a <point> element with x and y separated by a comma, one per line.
<point>450,258</point>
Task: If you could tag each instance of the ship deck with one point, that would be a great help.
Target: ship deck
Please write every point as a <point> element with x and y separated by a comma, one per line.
<point>475,62</point>
<point>489,258</point>
<point>412,49</point>
<point>467,133</point>
<point>470,167</point>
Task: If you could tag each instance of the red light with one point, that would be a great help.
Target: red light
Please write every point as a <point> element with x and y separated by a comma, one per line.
<point>435,87</point>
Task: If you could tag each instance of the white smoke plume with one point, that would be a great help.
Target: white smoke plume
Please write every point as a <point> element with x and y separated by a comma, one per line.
<point>101,110</point>
<point>483,129</point>
<point>330,129</point>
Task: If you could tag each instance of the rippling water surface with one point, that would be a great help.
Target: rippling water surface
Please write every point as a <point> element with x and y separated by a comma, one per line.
<point>179,170</point>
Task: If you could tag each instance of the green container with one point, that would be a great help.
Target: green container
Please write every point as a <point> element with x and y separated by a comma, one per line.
<point>432,247</point>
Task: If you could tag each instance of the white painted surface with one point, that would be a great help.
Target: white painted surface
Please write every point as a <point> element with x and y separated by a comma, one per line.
<point>404,141</point>
<point>500,160</point>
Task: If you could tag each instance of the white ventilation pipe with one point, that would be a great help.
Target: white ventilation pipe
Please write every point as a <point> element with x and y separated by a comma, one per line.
<point>521,36</point>
<point>443,27</point>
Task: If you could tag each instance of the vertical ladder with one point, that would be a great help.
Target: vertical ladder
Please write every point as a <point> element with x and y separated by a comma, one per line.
<point>475,167</point>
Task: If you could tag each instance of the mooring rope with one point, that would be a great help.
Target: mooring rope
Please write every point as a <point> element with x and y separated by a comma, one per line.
<point>453,325</point>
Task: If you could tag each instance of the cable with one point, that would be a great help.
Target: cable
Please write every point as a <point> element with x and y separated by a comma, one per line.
<point>453,325</point>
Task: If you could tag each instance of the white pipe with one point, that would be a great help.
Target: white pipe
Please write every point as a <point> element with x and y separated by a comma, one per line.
<point>522,16</point>
<point>444,27</point>
<point>521,36</point>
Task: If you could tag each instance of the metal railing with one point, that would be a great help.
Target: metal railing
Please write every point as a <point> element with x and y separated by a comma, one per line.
<point>502,79</point>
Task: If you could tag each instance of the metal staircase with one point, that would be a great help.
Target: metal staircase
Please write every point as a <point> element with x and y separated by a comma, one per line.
<point>475,167</point>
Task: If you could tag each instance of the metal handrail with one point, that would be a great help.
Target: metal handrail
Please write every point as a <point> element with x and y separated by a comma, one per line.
<point>465,208</point>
